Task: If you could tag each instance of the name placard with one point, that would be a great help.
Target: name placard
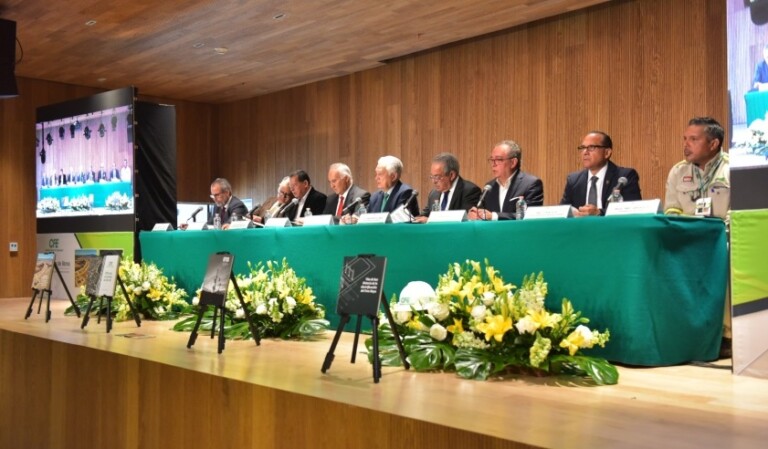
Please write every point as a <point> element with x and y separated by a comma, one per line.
<point>162,227</point>
<point>278,222</point>
<point>536,212</point>
<point>401,215</point>
<point>447,216</point>
<point>241,224</point>
<point>374,217</point>
<point>642,207</point>
<point>318,220</point>
<point>197,226</point>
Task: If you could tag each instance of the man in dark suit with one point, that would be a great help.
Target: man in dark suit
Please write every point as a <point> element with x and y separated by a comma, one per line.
<point>451,191</point>
<point>392,192</point>
<point>227,206</point>
<point>508,185</point>
<point>309,198</point>
<point>345,192</point>
<point>587,191</point>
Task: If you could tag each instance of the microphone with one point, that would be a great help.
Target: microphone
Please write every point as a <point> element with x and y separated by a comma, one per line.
<point>250,212</point>
<point>351,207</point>
<point>414,194</point>
<point>482,196</point>
<point>620,183</point>
<point>194,214</point>
<point>283,210</point>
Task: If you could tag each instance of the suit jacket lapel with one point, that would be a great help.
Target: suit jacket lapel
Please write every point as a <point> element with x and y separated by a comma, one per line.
<point>511,192</point>
<point>457,195</point>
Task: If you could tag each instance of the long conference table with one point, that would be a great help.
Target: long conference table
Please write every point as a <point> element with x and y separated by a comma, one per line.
<point>657,282</point>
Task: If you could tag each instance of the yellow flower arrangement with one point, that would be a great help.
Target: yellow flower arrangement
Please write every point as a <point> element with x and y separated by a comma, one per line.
<point>478,325</point>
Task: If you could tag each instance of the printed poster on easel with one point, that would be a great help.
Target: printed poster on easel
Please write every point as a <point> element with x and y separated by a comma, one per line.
<point>41,280</point>
<point>110,263</point>
<point>216,280</point>
<point>362,284</point>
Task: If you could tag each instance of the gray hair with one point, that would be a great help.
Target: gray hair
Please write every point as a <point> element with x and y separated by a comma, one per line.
<point>223,183</point>
<point>283,183</point>
<point>513,149</point>
<point>391,164</point>
<point>343,170</point>
<point>449,161</point>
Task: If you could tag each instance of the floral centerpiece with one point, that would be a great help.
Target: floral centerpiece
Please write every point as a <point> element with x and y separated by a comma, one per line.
<point>48,205</point>
<point>118,201</point>
<point>80,203</point>
<point>478,325</point>
<point>280,302</point>
<point>757,141</point>
<point>153,295</point>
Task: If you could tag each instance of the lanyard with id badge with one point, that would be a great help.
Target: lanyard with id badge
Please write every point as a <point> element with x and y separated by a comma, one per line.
<point>704,204</point>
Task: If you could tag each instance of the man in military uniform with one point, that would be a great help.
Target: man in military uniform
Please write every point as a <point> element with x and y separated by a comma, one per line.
<point>700,184</point>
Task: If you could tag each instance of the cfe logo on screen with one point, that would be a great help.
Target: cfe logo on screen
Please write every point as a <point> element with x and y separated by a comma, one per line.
<point>53,243</point>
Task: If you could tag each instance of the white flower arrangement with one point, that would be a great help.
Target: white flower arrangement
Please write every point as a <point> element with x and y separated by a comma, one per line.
<point>80,203</point>
<point>153,295</point>
<point>281,303</point>
<point>118,201</point>
<point>48,205</point>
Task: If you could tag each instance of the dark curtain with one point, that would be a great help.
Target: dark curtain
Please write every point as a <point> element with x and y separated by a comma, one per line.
<point>156,168</point>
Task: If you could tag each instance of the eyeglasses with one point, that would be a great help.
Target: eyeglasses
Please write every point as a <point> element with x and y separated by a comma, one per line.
<point>590,148</point>
<point>214,195</point>
<point>498,160</point>
<point>436,177</point>
<point>284,194</point>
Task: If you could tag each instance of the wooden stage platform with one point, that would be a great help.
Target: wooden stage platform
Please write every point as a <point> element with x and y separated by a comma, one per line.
<point>63,387</point>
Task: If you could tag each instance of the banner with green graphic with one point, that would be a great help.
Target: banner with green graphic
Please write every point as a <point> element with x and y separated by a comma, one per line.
<point>64,246</point>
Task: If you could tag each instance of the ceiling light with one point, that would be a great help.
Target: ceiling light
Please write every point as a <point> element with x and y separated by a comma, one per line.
<point>198,45</point>
<point>90,23</point>
<point>278,16</point>
<point>221,50</point>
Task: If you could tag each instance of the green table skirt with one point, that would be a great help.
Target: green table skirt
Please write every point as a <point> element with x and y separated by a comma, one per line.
<point>658,283</point>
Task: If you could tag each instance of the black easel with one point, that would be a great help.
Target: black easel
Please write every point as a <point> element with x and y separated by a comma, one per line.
<point>217,300</point>
<point>359,300</point>
<point>87,315</point>
<point>48,302</point>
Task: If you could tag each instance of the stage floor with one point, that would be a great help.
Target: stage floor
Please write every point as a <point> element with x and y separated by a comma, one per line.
<point>689,406</point>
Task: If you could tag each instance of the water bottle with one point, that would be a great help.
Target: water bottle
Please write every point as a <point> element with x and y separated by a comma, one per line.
<point>216,221</point>
<point>520,208</point>
<point>435,206</point>
<point>361,210</point>
<point>615,196</point>
<point>307,212</point>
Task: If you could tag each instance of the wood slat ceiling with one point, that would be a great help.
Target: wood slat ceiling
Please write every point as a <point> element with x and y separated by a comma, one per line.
<point>151,43</point>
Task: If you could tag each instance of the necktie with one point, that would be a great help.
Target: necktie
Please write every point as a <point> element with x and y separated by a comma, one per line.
<point>384,203</point>
<point>223,214</point>
<point>444,203</point>
<point>340,208</point>
<point>592,195</point>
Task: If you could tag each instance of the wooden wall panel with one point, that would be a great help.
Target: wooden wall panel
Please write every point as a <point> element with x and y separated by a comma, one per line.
<point>635,69</point>
<point>17,168</point>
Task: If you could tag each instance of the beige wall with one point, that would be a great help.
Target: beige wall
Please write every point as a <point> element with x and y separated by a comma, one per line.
<point>635,69</point>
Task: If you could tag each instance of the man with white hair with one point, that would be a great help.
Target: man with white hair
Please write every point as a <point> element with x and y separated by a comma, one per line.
<point>392,192</point>
<point>344,191</point>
